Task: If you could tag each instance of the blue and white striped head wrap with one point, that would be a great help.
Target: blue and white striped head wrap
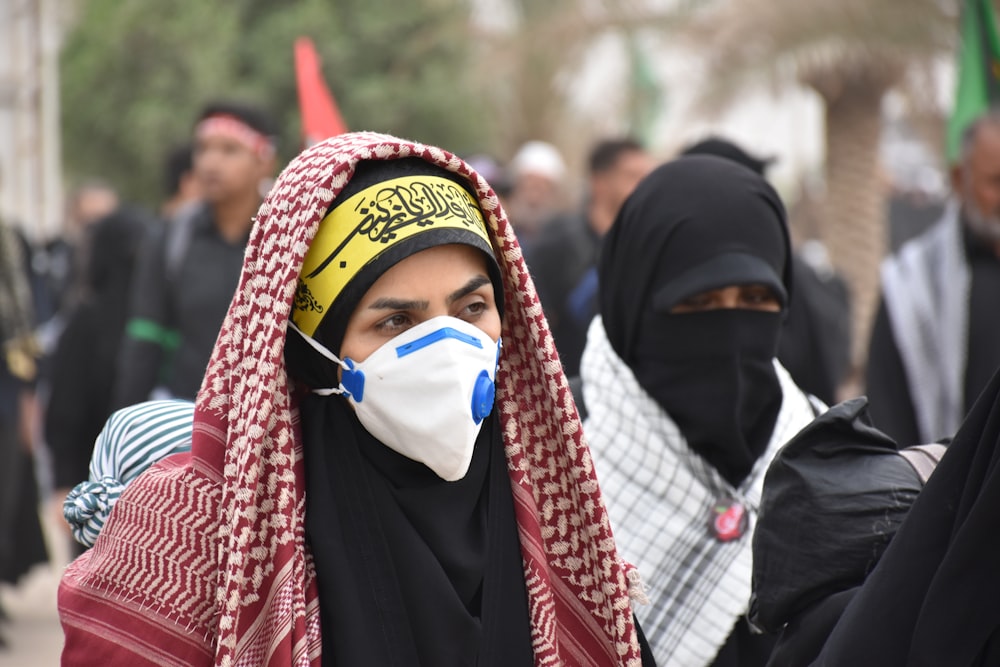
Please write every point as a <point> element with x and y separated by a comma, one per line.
<point>132,439</point>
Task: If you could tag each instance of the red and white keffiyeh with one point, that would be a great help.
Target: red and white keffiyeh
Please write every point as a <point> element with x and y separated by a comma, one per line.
<point>233,514</point>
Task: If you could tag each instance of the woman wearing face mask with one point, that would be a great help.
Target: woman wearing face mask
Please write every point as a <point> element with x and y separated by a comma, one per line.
<point>386,466</point>
<point>687,404</point>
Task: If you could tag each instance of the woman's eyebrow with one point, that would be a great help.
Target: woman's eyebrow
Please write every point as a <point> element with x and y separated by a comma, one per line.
<point>391,303</point>
<point>468,288</point>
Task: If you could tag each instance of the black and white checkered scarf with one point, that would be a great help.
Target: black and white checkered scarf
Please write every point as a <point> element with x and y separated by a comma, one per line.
<point>660,496</point>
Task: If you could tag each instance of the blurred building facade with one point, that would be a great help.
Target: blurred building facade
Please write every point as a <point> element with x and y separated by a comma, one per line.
<point>30,162</point>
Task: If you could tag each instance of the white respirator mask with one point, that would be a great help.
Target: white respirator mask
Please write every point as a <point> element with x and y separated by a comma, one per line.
<point>424,393</point>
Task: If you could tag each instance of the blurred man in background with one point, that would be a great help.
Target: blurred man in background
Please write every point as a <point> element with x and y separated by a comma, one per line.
<point>934,343</point>
<point>563,262</point>
<point>62,261</point>
<point>538,174</point>
<point>190,268</point>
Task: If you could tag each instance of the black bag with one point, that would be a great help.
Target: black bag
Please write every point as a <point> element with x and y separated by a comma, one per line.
<point>833,499</point>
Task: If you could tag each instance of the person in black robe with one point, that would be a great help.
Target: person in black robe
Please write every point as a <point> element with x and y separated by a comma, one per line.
<point>687,402</point>
<point>22,544</point>
<point>83,367</point>
<point>926,591</point>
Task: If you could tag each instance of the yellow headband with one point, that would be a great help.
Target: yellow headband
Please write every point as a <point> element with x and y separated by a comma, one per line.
<point>359,229</point>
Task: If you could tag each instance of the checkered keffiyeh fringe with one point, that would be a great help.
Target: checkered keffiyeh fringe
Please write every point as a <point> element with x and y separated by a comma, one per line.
<point>660,494</point>
<point>246,434</point>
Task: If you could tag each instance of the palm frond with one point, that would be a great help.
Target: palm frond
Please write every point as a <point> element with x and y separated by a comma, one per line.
<point>790,41</point>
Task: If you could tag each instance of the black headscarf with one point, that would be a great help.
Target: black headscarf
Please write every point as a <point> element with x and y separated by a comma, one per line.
<point>696,224</point>
<point>934,597</point>
<point>411,569</point>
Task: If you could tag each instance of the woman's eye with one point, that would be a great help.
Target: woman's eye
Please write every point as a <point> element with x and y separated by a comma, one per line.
<point>477,308</point>
<point>698,301</point>
<point>472,310</point>
<point>393,323</point>
<point>760,298</point>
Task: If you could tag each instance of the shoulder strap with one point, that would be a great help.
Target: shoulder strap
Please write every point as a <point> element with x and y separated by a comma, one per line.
<point>924,458</point>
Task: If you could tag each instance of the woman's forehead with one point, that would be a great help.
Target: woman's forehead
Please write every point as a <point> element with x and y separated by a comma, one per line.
<point>431,271</point>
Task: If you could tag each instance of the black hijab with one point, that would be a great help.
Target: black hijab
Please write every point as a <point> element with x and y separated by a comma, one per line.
<point>696,224</point>
<point>410,569</point>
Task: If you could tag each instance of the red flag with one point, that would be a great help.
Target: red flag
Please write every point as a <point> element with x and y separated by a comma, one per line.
<point>320,115</point>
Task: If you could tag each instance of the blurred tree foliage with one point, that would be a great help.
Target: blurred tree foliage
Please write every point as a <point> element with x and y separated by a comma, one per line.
<point>135,74</point>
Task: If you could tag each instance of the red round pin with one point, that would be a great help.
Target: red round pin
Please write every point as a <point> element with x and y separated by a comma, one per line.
<point>728,520</point>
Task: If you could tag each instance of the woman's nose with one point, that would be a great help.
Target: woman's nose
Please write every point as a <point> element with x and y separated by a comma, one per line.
<point>729,298</point>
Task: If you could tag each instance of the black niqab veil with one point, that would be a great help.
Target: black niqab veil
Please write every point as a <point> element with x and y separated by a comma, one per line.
<point>696,224</point>
<point>682,215</point>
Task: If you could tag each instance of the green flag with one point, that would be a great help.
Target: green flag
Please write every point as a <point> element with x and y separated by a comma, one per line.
<point>645,94</point>
<point>978,71</point>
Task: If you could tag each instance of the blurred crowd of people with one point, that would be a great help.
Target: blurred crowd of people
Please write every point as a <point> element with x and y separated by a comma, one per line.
<point>694,344</point>
<point>123,307</point>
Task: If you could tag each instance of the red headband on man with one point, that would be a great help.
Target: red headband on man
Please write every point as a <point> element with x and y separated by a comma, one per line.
<point>234,128</point>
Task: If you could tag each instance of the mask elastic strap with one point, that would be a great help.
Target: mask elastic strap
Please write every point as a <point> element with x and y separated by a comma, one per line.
<point>326,353</point>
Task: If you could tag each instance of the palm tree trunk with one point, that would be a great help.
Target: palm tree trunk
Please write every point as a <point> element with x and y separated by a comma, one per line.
<point>852,214</point>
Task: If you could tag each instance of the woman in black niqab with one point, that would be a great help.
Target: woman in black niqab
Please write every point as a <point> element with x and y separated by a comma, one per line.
<point>687,402</point>
<point>683,233</point>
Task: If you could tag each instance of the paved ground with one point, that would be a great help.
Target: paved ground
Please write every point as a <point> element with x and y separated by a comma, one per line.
<point>34,638</point>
